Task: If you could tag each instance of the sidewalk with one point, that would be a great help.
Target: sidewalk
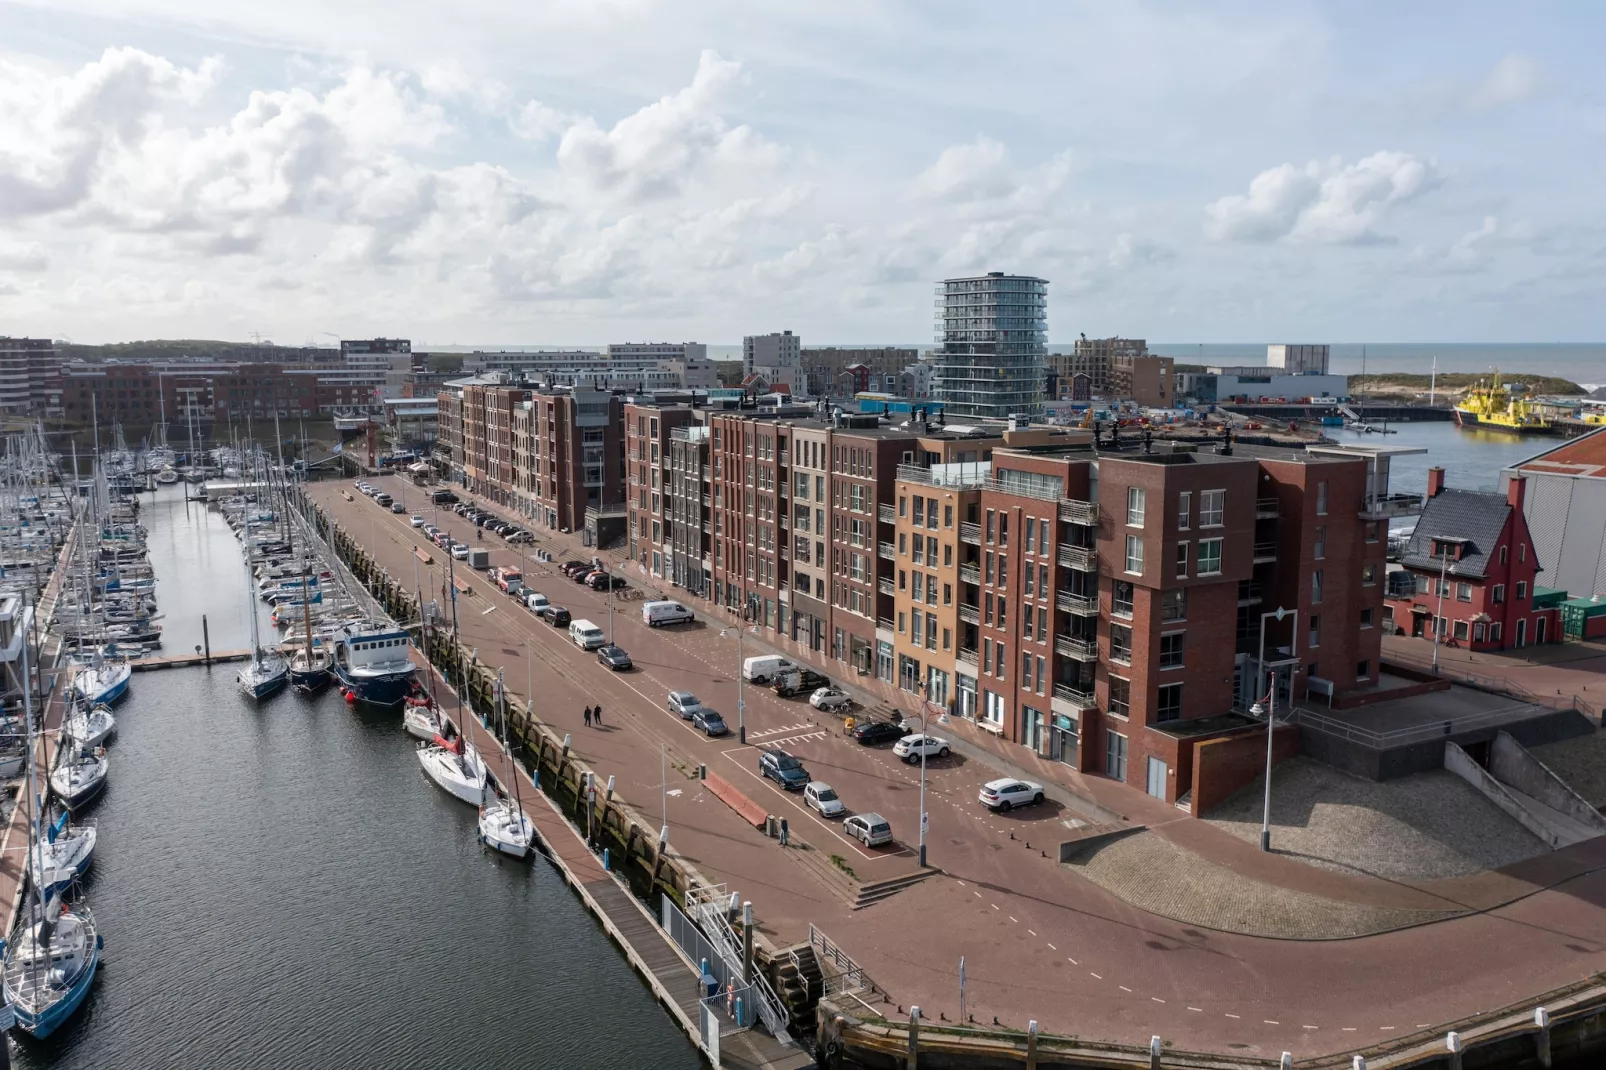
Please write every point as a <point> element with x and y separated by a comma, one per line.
<point>1554,674</point>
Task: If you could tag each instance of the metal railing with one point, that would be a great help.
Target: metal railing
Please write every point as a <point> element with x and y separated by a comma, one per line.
<point>886,586</point>
<point>1387,506</point>
<point>1080,604</point>
<point>968,656</point>
<point>969,614</point>
<point>1082,700</point>
<point>1072,647</point>
<point>970,574</point>
<point>709,911</point>
<point>970,531</point>
<point>1085,558</point>
<point>1266,508</point>
<point>1078,512</point>
<point>886,513</point>
<point>839,973</point>
<point>1265,551</point>
<point>884,623</point>
<point>1400,737</point>
<point>886,550</point>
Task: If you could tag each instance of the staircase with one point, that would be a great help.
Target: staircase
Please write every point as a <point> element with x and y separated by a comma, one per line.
<point>876,891</point>
<point>800,983</point>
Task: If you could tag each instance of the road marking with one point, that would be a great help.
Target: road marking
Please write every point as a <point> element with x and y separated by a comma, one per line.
<point>1229,1015</point>
<point>1310,1027</point>
<point>1385,1028</point>
<point>1199,1009</point>
<point>673,791</point>
<point>1157,999</point>
<point>1015,920</point>
<point>1123,988</point>
<point>976,894</point>
<point>1347,1028</point>
<point>1095,976</point>
<point>1051,947</point>
<point>1268,1021</point>
<point>1072,961</point>
<point>1028,930</point>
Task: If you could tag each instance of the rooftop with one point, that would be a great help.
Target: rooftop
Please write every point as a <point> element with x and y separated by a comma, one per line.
<point>1584,456</point>
<point>1473,518</point>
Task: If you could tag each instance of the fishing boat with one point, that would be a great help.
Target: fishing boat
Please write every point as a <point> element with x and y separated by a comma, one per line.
<point>90,727</point>
<point>1499,406</point>
<point>455,767</point>
<point>266,672</point>
<point>65,855</point>
<point>102,682</point>
<point>79,775</point>
<point>376,665</point>
<point>504,827</point>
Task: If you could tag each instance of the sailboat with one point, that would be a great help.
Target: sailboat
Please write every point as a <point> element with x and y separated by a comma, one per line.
<point>311,667</point>
<point>64,856</point>
<point>455,766</point>
<point>266,672</point>
<point>79,775</point>
<point>90,727</point>
<point>504,827</point>
<point>102,682</point>
<point>50,964</point>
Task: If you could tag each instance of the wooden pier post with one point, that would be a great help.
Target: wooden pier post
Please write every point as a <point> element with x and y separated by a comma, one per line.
<point>206,638</point>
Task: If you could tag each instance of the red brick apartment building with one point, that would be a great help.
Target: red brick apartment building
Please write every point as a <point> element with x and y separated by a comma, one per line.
<point>1474,566</point>
<point>1100,604</point>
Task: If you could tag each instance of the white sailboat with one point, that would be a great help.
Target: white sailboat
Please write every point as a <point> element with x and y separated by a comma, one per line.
<point>455,766</point>
<point>91,727</point>
<point>65,854</point>
<point>504,826</point>
<point>79,775</point>
<point>266,672</point>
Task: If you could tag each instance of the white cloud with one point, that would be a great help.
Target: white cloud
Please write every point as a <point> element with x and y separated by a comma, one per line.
<point>537,122</point>
<point>1515,78</point>
<point>1330,203</point>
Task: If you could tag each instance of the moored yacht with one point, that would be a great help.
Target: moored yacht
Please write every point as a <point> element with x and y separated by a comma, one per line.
<point>79,775</point>
<point>376,665</point>
<point>455,767</point>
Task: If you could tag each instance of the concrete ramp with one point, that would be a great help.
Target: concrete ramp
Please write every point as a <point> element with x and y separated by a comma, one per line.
<point>1547,808</point>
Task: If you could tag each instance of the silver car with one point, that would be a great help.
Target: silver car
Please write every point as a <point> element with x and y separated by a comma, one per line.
<point>683,704</point>
<point>871,829</point>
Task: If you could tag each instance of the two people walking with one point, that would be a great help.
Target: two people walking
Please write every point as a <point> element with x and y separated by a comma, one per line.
<point>594,715</point>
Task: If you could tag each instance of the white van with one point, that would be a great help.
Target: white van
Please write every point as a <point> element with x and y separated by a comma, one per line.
<point>586,636</point>
<point>762,669</point>
<point>655,613</point>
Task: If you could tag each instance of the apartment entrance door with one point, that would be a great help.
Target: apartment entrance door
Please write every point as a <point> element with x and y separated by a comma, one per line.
<point>1156,784</point>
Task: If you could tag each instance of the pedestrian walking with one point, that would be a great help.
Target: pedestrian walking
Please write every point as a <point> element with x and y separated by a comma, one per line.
<point>785,832</point>
<point>588,716</point>
<point>597,714</point>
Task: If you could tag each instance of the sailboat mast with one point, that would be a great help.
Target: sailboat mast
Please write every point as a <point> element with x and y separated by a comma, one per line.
<point>36,849</point>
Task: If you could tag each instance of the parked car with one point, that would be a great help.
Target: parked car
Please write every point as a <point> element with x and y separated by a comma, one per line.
<point>429,530</point>
<point>784,769</point>
<point>556,616</point>
<point>535,601</point>
<point>709,722</point>
<point>764,667</point>
<point>397,507</point>
<point>1006,794</point>
<point>416,521</point>
<point>383,499</point>
<point>603,581</point>
<point>519,535</point>
<point>654,614</point>
<point>460,551</point>
<point>683,704</point>
<point>443,497</point>
<point>615,658</point>
<point>910,748</point>
<point>791,682</point>
<point>586,635</point>
<point>871,733</point>
<point>870,829</point>
<point>830,698</point>
<point>823,797</point>
<point>568,568</point>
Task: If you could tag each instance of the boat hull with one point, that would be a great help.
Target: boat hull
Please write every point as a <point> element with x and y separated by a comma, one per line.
<point>448,776</point>
<point>505,835</point>
<point>80,799</point>
<point>420,723</point>
<point>310,681</point>
<point>105,693</point>
<point>390,689</point>
<point>261,687</point>
<point>47,1020</point>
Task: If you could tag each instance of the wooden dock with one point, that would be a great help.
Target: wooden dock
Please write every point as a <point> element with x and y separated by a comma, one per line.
<point>179,661</point>
<point>671,975</point>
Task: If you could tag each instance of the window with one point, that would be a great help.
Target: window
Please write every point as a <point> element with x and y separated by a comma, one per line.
<point>1134,555</point>
<point>1002,615</point>
<point>917,551</point>
<point>903,542</point>
<point>990,521</point>
<point>1031,583</point>
<point>947,516</point>
<point>1460,629</point>
<point>1363,670</point>
<point>1499,595</point>
<point>917,586</point>
<point>1121,602</point>
<point>1522,551</point>
<point>1366,617</point>
<point>1321,543</point>
<point>1371,531</point>
<point>1001,661</point>
<point>1031,534</point>
<point>1174,604</point>
<point>1170,707</point>
<point>931,590</point>
<point>920,511</point>
<point>1209,561</point>
<point>1003,529</point>
<point>1316,585</point>
<point>1368,575</point>
<point>1182,560</point>
<point>1120,643</point>
<point>902,580</point>
<point>1503,554</point>
<point>987,567</point>
<point>1026,670</point>
<point>947,594</point>
<point>1522,589</point>
<point>948,555</point>
<point>917,625</point>
<point>987,608</point>
<point>1463,592</point>
<point>1120,697</point>
<point>1321,498</point>
<point>1171,650</point>
<point>1136,501</point>
<point>1315,631</point>
<point>1184,509</point>
<point>1212,508</point>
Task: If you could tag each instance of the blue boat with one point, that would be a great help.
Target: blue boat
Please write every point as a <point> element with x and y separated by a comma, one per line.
<point>50,966</point>
<point>376,665</point>
<point>103,682</point>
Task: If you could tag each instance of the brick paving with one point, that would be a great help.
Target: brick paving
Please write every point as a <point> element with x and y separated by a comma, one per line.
<point>1156,875</point>
<point>1423,827</point>
<point>1039,940</point>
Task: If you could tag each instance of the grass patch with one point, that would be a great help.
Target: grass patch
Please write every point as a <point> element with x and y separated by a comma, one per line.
<point>842,863</point>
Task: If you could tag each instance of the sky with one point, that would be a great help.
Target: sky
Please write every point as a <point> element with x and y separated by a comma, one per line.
<point>587,171</point>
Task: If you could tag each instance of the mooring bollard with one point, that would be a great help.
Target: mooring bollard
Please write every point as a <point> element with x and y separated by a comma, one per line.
<point>1358,1063</point>
<point>1031,1045</point>
<point>1286,1062</point>
<point>1542,1036</point>
<point>1452,1044</point>
<point>609,796</point>
<point>914,1037</point>
<point>1154,1053</point>
<point>565,744</point>
<point>747,942</point>
<point>606,868</point>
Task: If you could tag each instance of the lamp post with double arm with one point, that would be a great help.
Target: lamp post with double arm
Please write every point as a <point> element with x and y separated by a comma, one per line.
<point>1270,711</point>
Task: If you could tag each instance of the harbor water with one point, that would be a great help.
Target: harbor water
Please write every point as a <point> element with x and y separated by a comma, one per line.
<point>279,885</point>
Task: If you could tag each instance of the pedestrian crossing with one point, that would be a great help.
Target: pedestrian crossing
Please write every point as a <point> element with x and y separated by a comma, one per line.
<point>802,726</point>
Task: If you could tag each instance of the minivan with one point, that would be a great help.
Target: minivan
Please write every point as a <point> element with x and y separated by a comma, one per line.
<point>586,636</point>
<point>762,669</point>
<point>655,613</point>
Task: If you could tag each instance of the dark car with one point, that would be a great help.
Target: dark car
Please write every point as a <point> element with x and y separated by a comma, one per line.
<point>709,722</point>
<point>872,732</point>
<point>603,581</point>
<point>443,497</point>
<point>615,658</point>
<point>568,568</point>
<point>784,769</point>
<point>582,575</point>
<point>556,616</point>
<point>798,681</point>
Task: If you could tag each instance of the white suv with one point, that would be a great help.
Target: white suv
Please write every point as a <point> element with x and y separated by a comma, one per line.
<point>910,748</point>
<point>1006,794</point>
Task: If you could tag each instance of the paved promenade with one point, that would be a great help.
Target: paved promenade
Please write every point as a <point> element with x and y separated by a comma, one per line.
<point>1039,941</point>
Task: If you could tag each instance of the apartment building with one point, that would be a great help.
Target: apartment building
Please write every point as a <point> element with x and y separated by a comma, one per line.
<point>144,394</point>
<point>775,356</point>
<point>825,369</point>
<point>1115,368</point>
<point>30,371</point>
<point>647,436</point>
<point>578,466</point>
<point>691,563</point>
<point>993,330</point>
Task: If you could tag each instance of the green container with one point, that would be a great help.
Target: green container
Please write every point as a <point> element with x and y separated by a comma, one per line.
<point>1575,612</point>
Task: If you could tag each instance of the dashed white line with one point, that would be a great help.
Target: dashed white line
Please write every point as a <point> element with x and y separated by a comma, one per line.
<point>1095,976</point>
<point>1385,1028</point>
<point>1015,920</point>
<point>1032,931</point>
<point>1199,1009</point>
<point>976,894</point>
<point>1268,1021</point>
<point>1051,947</point>
<point>1310,1027</point>
<point>1072,961</point>
<point>1229,1015</point>
<point>1347,1028</point>
<point>1123,988</point>
<point>1157,999</point>
<point>995,906</point>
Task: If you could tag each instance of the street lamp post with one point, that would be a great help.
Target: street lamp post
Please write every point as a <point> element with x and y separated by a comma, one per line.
<point>1271,711</point>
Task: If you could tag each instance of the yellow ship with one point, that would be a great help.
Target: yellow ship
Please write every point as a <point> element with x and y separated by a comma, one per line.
<point>1499,407</point>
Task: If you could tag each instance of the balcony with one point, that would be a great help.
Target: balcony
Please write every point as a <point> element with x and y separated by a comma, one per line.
<point>1265,553</point>
<point>1073,699</point>
<point>1389,506</point>
<point>1248,593</point>
<point>1075,512</point>
<point>969,613</point>
<point>1085,558</point>
<point>886,586</point>
<point>884,624</point>
<point>970,532</point>
<point>970,574</point>
<point>968,656</point>
<point>1266,509</point>
<point>1082,605</point>
<point>1080,649</point>
<point>887,551</point>
<point>886,513</point>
